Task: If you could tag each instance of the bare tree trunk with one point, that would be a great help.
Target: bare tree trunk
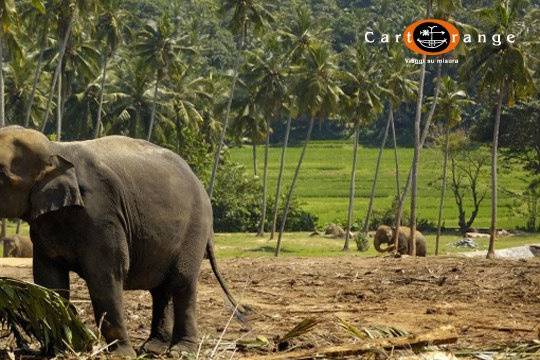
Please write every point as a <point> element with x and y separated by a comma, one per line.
<point>59,108</point>
<point>254,152</point>
<point>396,157</point>
<point>376,176</point>
<point>443,186</point>
<point>102,92</point>
<point>425,132</point>
<point>493,228</point>
<point>154,106</point>
<point>280,178</point>
<point>57,72</point>
<point>352,187</point>
<point>37,71</point>
<point>291,190</point>
<point>416,158</point>
<point>217,155</point>
<point>265,181</point>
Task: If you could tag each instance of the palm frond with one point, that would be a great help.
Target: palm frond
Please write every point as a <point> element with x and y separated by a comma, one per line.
<point>33,313</point>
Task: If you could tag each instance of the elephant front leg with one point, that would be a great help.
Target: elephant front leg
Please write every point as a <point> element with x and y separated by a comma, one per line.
<point>162,321</point>
<point>51,275</point>
<point>107,301</point>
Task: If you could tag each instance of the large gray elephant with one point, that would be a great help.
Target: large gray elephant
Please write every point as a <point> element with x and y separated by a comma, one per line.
<point>123,214</point>
<point>384,235</point>
<point>17,246</point>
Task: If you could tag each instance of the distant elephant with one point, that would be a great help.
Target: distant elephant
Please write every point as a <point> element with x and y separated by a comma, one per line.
<point>17,246</point>
<point>384,235</point>
<point>123,214</point>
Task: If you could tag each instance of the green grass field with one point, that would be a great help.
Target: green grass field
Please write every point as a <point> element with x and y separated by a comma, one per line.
<point>301,244</point>
<point>324,182</point>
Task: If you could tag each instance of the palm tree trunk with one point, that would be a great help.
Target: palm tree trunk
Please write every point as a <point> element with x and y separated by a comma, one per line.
<point>291,190</point>
<point>37,71</point>
<point>425,132</point>
<point>2,96</point>
<point>352,187</point>
<point>102,92</point>
<point>2,113</point>
<point>59,108</point>
<point>154,106</point>
<point>3,228</point>
<point>416,158</point>
<point>57,72</point>
<point>265,181</point>
<point>443,186</point>
<point>254,152</point>
<point>18,229</point>
<point>376,176</point>
<point>280,177</point>
<point>495,145</point>
<point>396,157</point>
<point>217,155</point>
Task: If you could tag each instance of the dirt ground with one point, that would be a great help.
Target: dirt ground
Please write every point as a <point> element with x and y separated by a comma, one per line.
<point>489,302</point>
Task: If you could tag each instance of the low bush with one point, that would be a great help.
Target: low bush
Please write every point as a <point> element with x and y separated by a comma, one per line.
<point>237,203</point>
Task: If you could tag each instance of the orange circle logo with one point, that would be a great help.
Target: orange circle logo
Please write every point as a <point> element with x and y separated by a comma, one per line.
<point>431,37</point>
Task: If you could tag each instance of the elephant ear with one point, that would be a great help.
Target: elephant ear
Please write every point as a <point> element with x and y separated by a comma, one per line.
<point>56,187</point>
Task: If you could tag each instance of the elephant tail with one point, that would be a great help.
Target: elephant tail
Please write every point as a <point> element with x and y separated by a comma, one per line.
<point>239,309</point>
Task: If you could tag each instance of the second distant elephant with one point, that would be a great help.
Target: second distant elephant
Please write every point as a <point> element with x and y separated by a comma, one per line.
<point>17,246</point>
<point>384,235</point>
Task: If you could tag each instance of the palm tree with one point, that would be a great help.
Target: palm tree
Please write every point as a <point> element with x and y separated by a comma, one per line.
<point>444,8</point>
<point>399,87</point>
<point>108,31</point>
<point>452,99</point>
<point>298,37</point>
<point>318,95</point>
<point>423,137</point>
<point>64,34</point>
<point>42,11</point>
<point>7,21</point>
<point>361,80</point>
<point>189,97</point>
<point>503,71</point>
<point>158,48</point>
<point>266,69</point>
<point>243,14</point>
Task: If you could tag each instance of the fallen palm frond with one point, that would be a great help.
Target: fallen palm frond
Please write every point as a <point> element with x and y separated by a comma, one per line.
<point>373,331</point>
<point>280,343</point>
<point>526,351</point>
<point>31,312</point>
<point>442,335</point>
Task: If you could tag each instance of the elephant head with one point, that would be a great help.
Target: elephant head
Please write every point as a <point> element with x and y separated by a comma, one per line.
<point>34,178</point>
<point>383,235</point>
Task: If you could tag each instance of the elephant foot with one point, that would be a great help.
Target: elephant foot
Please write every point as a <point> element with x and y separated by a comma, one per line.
<point>182,348</point>
<point>123,351</point>
<point>155,346</point>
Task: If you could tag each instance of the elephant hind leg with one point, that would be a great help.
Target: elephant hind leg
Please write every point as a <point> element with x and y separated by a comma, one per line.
<point>184,295</point>
<point>162,321</point>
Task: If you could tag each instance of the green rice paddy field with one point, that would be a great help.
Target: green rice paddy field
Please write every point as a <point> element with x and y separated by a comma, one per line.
<point>324,182</point>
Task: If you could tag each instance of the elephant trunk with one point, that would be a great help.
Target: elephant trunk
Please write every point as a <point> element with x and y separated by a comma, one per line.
<point>377,242</point>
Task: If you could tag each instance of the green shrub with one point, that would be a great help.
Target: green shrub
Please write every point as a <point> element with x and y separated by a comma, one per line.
<point>237,203</point>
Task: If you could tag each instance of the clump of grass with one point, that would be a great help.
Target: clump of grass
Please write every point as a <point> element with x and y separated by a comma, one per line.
<point>33,313</point>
